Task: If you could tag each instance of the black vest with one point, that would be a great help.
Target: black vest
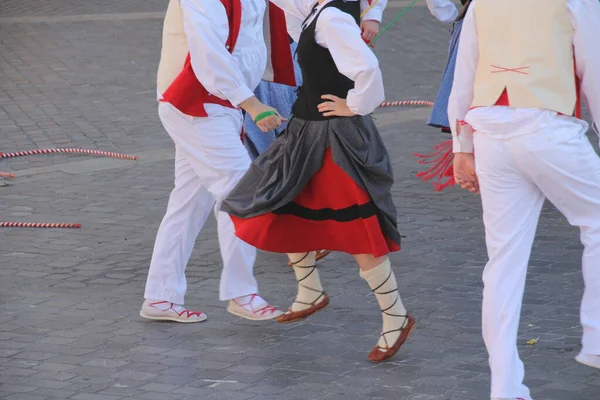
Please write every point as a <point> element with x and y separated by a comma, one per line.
<point>319,74</point>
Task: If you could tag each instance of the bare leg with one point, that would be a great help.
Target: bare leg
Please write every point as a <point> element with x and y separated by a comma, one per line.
<point>367,262</point>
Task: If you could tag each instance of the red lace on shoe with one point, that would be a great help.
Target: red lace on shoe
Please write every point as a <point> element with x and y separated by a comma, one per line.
<point>188,313</point>
<point>262,311</point>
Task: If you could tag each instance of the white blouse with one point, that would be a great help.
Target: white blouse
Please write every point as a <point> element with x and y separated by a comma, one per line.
<point>235,76</point>
<point>229,76</point>
<point>338,32</point>
<point>443,10</point>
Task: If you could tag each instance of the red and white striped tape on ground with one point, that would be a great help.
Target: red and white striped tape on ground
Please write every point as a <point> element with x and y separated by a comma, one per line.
<point>69,150</point>
<point>6,224</point>
<point>37,225</point>
<point>401,103</point>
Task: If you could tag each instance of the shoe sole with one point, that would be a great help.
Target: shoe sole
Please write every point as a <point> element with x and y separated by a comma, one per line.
<point>245,316</point>
<point>580,360</point>
<point>300,318</point>
<point>173,319</point>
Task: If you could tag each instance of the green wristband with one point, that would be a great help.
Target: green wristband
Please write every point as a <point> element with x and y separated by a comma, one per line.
<point>264,115</point>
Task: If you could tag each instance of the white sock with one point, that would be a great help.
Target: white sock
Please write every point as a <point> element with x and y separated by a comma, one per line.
<point>382,281</point>
<point>310,290</point>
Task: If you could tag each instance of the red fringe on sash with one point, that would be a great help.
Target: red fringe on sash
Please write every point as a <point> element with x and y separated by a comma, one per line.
<point>442,160</point>
<point>443,157</point>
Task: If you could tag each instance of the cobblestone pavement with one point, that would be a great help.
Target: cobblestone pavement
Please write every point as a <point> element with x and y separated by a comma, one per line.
<point>81,73</point>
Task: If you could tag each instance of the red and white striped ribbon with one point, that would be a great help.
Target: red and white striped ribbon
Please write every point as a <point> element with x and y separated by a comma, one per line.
<point>400,103</point>
<point>37,225</point>
<point>69,150</point>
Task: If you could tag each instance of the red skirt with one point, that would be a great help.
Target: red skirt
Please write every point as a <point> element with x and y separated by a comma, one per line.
<point>332,212</point>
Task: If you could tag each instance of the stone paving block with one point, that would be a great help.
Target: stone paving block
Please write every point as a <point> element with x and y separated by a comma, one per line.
<point>177,361</point>
<point>179,380</point>
<point>159,387</point>
<point>95,396</point>
<point>106,363</point>
<point>227,395</point>
<point>8,388</point>
<point>239,378</point>
<point>193,391</point>
<point>23,396</point>
<point>121,390</point>
<point>158,396</point>
<point>18,372</point>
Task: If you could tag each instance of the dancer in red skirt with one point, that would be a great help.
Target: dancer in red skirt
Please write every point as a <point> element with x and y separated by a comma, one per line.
<point>325,182</point>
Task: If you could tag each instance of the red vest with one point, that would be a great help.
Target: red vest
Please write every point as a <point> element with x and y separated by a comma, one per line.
<point>189,96</point>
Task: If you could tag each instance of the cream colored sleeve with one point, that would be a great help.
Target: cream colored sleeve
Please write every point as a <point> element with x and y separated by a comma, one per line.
<point>461,96</point>
<point>585,18</point>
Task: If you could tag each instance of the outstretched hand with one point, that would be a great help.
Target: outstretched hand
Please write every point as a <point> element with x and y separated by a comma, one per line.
<point>335,107</point>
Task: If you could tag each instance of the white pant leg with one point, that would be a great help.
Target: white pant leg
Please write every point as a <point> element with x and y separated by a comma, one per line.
<point>511,208</point>
<point>189,205</point>
<point>564,165</point>
<point>216,153</point>
<point>237,277</point>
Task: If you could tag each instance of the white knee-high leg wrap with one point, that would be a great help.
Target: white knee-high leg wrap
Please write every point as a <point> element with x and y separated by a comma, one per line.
<point>382,281</point>
<point>310,289</point>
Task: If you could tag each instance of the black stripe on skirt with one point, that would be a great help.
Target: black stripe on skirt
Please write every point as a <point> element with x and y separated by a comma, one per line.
<point>347,214</point>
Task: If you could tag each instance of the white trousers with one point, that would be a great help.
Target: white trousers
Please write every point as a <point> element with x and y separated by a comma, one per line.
<point>209,161</point>
<point>516,175</point>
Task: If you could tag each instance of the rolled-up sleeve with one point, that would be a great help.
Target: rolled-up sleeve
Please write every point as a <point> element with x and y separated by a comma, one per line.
<point>585,18</point>
<point>461,95</point>
<point>443,10</point>
<point>337,31</point>
<point>374,13</point>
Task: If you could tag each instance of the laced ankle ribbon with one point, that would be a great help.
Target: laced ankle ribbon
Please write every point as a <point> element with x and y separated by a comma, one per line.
<point>188,313</point>
<point>313,268</point>
<point>262,311</point>
<point>385,311</point>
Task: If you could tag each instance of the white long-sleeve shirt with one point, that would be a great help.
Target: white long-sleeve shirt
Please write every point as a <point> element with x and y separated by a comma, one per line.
<point>338,32</point>
<point>506,122</point>
<point>443,10</point>
<point>231,76</point>
<point>234,76</point>
<point>294,19</point>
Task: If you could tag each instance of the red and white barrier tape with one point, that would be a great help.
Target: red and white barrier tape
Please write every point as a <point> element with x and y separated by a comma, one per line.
<point>54,151</point>
<point>77,151</point>
<point>6,224</point>
<point>401,103</point>
<point>37,225</point>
